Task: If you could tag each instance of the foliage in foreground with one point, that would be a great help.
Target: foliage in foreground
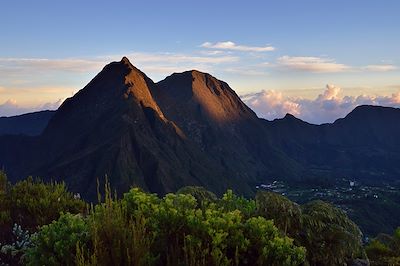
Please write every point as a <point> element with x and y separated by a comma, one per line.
<point>326,232</point>
<point>385,249</point>
<point>142,229</point>
<point>191,227</point>
<point>25,207</point>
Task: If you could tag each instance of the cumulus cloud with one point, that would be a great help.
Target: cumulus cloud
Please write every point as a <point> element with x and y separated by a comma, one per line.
<point>325,108</point>
<point>271,104</point>
<point>11,107</point>
<point>311,64</point>
<point>235,47</point>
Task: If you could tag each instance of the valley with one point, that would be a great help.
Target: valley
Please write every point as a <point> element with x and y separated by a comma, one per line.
<point>374,208</point>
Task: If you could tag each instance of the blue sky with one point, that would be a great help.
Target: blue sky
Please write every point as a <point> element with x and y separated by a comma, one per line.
<point>276,54</point>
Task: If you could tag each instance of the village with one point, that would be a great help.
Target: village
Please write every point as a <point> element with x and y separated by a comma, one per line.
<point>342,194</point>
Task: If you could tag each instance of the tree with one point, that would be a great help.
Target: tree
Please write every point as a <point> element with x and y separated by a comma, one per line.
<point>201,194</point>
<point>329,236</point>
<point>385,249</point>
<point>285,213</point>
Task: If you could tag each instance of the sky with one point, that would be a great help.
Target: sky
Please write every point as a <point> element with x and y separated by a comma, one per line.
<point>314,59</point>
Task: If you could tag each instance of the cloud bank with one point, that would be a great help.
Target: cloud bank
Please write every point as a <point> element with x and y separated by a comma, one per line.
<point>325,108</point>
<point>11,107</point>
<point>269,104</point>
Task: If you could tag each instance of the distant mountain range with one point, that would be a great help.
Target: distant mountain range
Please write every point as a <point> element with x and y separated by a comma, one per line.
<point>31,124</point>
<point>190,129</point>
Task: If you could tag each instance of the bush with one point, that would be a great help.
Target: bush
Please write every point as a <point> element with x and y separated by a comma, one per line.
<point>201,195</point>
<point>142,229</point>
<point>191,227</point>
<point>117,237</point>
<point>56,243</point>
<point>285,213</point>
<point>267,247</point>
<point>230,202</point>
<point>33,203</point>
<point>385,249</point>
<point>15,252</point>
<point>329,236</point>
<point>218,233</point>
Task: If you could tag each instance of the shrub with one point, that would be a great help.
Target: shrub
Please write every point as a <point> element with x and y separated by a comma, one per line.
<point>268,247</point>
<point>385,249</point>
<point>116,236</point>
<point>31,204</point>
<point>34,203</point>
<point>285,213</point>
<point>5,216</point>
<point>201,195</point>
<point>215,234</point>
<point>56,243</point>
<point>329,236</point>
<point>230,202</point>
<point>15,252</point>
<point>123,232</point>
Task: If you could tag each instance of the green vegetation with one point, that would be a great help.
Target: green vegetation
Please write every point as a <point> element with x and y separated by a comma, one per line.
<point>25,207</point>
<point>326,226</point>
<point>46,225</point>
<point>385,249</point>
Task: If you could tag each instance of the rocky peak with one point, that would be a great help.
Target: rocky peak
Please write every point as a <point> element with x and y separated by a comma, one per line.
<point>202,93</point>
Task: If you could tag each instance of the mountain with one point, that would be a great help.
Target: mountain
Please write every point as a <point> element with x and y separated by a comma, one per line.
<point>212,115</point>
<point>122,126</point>
<point>31,124</point>
<point>193,129</point>
<point>362,146</point>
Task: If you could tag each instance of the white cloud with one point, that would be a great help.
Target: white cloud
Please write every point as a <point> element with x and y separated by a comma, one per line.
<point>178,58</point>
<point>228,45</point>
<point>380,68</point>
<point>331,93</point>
<point>311,64</point>
<point>51,105</point>
<point>28,69</point>
<point>212,52</point>
<point>325,108</point>
<point>271,104</point>
<point>326,65</point>
<point>160,65</point>
<point>45,64</point>
<point>11,107</point>
<point>25,79</point>
<point>246,71</point>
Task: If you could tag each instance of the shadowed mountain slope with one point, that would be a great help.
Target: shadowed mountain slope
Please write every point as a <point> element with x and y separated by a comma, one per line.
<point>31,124</point>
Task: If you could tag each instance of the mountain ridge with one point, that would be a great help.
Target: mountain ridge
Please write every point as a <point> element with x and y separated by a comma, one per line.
<point>191,129</point>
